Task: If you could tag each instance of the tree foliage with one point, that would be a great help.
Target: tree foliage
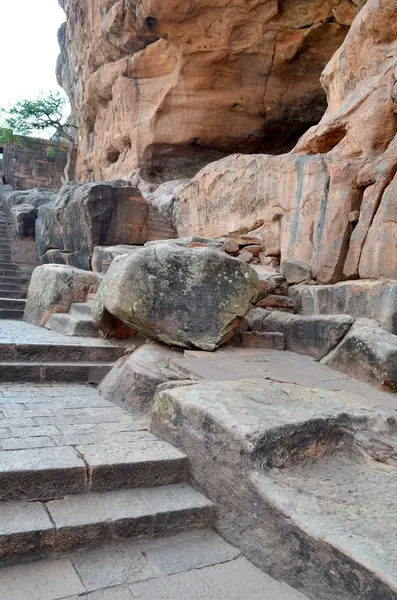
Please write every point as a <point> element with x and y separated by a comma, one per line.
<point>45,114</point>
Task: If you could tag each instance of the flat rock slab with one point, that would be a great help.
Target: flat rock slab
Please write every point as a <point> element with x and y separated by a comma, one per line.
<point>322,459</point>
<point>251,411</point>
<point>193,564</point>
<point>229,364</point>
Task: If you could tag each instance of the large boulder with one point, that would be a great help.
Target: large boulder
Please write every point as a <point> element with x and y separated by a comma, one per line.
<point>368,352</point>
<point>189,297</point>
<point>308,200</point>
<point>172,85</point>
<point>53,288</point>
<point>89,215</point>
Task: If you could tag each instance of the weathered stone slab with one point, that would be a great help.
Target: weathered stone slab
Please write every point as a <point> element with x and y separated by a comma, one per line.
<point>133,380</point>
<point>368,352</point>
<point>261,339</point>
<point>313,335</point>
<point>41,473</point>
<point>46,580</point>
<point>105,254</point>
<point>360,298</point>
<point>92,214</point>
<point>24,528</point>
<point>270,443</point>
<point>53,288</point>
<point>296,271</point>
<point>143,464</point>
<point>189,297</point>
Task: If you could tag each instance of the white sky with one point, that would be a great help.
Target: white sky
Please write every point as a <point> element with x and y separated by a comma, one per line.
<point>29,48</point>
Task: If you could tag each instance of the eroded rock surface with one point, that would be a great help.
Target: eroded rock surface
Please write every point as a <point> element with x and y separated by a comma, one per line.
<point>171,86</point>
<point>343,166</point>
<point>53,288</point>
<point>307,474</point>
<point>89,215</point>
<point>368,352</point>
<point>190,297</point>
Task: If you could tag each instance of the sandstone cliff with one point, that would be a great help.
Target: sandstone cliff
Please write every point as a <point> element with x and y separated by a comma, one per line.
<point>331,202</point>
<point>172,85</point>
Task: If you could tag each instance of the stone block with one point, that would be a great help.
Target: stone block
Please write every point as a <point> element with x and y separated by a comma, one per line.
<point>25,527</point>
<point>296,271</point>
<point>41,473</point>
<point>360,298</point>
<point>277,302</point>
<point>105,254</point>
<point>260,339</point>
<point>313,335</point>
<point>143,464</point>
<point>133,379</point>
<point>92,214</point>
<point>368,353</point>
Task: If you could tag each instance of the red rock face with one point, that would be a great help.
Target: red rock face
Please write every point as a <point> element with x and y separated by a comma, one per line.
<point>346,164</point>
<point>171,85</point>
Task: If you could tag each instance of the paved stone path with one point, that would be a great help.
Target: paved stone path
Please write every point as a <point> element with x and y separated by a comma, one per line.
<point>188,566</point>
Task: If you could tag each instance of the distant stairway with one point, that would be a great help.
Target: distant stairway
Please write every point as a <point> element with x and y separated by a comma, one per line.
<point>14,276</point>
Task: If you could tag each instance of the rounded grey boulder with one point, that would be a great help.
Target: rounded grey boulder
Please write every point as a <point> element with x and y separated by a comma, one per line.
<point>189,297</point>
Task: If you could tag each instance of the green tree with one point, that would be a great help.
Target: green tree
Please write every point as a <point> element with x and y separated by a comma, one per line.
<point>45,114</point>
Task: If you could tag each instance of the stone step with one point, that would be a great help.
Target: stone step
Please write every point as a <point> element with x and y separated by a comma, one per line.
<point>16,280</point>
<point>12,286</point>
<point>11,272</point>
<point>10,313</point>
<point>59,352</point>
<point>13,294</point>
<point>81,308</point>
<point>72,325</point>
<point>12,303</point>
<point>196,564</point>
<point>28,528</point>
<point>51,372</point>
<point>47,473</point>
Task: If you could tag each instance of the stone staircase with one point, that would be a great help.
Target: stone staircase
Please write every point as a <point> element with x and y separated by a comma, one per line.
<point>77,322</point>
<point>36,355</point>
<point>93,505</point>
<point>14,276</point>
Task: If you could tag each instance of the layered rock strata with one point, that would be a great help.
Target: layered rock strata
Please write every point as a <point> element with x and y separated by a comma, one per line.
<point>170,86</point>
<point>330,203</point>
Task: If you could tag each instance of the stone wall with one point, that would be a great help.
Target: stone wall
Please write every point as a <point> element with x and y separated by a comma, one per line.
<point>35,163</point>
